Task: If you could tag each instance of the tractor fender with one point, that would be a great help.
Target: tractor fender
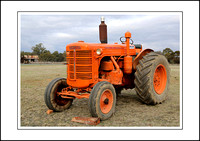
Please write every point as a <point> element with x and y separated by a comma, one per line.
<point>139,56</point>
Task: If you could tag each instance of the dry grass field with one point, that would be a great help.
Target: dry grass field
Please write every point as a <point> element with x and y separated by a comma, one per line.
<point>130,111</point>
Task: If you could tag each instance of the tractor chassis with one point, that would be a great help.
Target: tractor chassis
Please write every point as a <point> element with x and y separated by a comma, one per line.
<point>79,93</point>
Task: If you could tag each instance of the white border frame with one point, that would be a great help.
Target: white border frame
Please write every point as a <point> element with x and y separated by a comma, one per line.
<point>190,67</point>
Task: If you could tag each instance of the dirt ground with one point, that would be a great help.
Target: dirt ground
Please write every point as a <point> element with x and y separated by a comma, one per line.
<point>130,111</point>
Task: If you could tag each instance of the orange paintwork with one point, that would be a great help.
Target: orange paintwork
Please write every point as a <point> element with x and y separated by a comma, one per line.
<point>160,79</point>
<point>107,66</point>
<point>66,93</point>
<point>128,64</point>
<point>49,111</point>
<point>85,67</point>
<point>106,101</point>
<point>114,77</point>
<point>91,64</point>
<point>128,36</point>
<point>121,64</point>
<point>115,63</point>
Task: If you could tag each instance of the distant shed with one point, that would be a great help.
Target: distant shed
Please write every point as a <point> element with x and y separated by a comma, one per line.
<point>29,58</point>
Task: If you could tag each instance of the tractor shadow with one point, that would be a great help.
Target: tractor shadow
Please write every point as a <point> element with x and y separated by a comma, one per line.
<point>128,96</point>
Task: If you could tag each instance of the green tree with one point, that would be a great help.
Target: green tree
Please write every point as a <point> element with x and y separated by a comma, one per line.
<point>22,54</point>
<point>64,55</point>
<point>25,53</point>
<point>169,54</point>
<point>60,57</point>
<point>57,57</point>
<point>177,57</point>
<point>38,49</point>
<point>46,56</point>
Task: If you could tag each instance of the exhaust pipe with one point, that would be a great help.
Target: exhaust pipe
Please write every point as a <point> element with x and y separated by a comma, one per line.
<point>103,31</point>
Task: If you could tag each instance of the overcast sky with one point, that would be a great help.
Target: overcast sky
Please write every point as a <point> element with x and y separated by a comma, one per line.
<point>56,31</point>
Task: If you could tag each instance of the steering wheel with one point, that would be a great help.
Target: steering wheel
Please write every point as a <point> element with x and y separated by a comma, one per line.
<point>131,42</point>
<point>123,41</point>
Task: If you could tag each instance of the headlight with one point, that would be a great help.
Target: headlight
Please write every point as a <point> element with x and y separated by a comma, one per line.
<point>99,51</point>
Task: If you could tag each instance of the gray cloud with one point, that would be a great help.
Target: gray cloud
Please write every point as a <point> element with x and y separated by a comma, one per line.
<point>56,31</point>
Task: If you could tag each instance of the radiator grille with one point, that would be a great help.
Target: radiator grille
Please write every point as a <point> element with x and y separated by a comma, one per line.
<point>82,59</point>
<point>83,68</point>
<point>70,60</point>
<point>84,53</point>
<point>71,75</point>
<point>84,75</point>
<point>71,53</point>
<point>71,68</point>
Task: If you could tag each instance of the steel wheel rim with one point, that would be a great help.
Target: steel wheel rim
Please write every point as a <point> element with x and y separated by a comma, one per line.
<point>58,99</point>
<point>106,101</point>
<point>160,79</point>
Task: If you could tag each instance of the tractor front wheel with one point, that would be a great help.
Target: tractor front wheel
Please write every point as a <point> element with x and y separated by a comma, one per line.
<point>152,78</point>
<point>102,100</point>
<point>52,99</point>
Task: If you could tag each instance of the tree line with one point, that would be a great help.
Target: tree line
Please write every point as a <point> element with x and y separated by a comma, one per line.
<point>46,56</point>
<point>173,57</point>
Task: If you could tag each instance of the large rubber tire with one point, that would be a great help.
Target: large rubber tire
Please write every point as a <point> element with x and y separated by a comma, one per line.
<point>102,100</point>
<point>52,100</point>
<point>152,78</point>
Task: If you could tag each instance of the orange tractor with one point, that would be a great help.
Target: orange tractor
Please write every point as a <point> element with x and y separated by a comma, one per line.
<point>99,71</point>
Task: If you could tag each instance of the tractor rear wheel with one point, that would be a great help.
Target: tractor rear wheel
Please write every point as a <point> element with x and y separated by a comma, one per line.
<point>54,101</point>
<point>152,78</point>
<point>102,100</point>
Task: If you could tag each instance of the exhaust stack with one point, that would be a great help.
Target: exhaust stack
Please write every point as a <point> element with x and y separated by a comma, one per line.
<point>103,31</point>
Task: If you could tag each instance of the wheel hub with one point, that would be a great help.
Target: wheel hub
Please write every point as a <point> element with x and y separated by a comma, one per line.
<point>160,79</point>
<point>106,101</point>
